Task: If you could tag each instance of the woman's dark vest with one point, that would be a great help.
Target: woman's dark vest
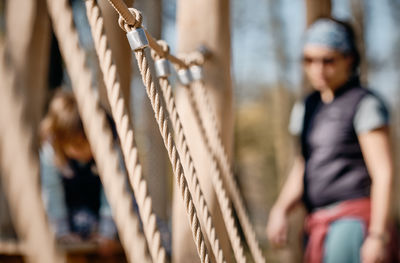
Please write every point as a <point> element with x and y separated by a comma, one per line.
<point>334,165</point>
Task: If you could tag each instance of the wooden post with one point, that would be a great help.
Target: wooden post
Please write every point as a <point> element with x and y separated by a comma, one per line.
<point>357,7</point>
<point>28,35</point>
<point>316,9</point>
<point>121,51</point>
<point>156,175</point>
<point>204,22</point>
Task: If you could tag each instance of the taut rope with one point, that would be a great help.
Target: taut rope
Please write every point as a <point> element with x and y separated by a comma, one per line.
<point>125,132</point>
<point>162,121</point>
<point>187,158</point>
<point>215,146</point>
<point>99,135</point>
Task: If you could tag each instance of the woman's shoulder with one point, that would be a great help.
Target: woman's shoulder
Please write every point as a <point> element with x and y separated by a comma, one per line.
<point>371,112</point>
<point>372,100</point>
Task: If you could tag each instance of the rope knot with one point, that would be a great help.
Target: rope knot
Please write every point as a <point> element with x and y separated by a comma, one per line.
<point>126,26</point>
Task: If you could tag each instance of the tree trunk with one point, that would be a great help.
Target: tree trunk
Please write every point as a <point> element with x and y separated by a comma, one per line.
<point>357,7</point>
<point>316,9</point>
<point>284,148</point>
<point>204,22</point>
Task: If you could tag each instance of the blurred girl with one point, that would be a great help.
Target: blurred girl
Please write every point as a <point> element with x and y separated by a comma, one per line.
<point>72,191</point>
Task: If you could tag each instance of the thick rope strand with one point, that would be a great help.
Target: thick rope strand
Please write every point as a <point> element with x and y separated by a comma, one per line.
<point>193,177</point>
<point>222,197</point>
<point>98,133</point>
<point>125,133</point>
<point>123,11</point>
<point>215,143</point>
<point>19,175</point>
<point>129,20</point>
<point>169,142</point>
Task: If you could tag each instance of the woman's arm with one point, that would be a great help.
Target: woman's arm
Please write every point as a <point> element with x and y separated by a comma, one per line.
<point>292,191</point>
<point>375,146</point>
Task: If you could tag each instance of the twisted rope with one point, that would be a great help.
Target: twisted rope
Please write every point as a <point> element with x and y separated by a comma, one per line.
<point>165,131</point>
<point>222,197</point>
<point>125,133</point>
<point>98,133</point>
<point>19,176</point>
<point>214,143</point>
<point>127,21</point>
<point>123,11</point>
<point>162,121</point>
<point>187,159</point>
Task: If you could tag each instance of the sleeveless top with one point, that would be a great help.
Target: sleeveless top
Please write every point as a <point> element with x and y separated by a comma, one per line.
<point>334,165</point>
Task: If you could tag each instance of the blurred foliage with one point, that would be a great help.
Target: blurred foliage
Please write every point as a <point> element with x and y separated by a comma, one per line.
<point>256,157</point>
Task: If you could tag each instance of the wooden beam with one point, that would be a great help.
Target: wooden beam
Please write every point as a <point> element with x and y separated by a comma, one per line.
<point>204,22</point>
<point>28,35</point>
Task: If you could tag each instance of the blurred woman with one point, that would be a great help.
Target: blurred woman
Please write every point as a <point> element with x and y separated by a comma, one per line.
<point>344,173</point>
<point>74,199</point>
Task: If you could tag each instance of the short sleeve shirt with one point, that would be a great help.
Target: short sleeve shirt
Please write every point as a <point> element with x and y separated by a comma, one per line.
<point>371,114</point>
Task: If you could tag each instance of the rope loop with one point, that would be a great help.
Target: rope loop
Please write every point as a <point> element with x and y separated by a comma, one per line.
<point>164,50</point>
<point>127,26</point>
<point>195,58</point>
<point>164,46</point>
<point>184,65</point>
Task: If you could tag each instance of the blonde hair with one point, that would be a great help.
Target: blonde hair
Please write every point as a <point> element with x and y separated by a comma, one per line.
<point>61,125</point>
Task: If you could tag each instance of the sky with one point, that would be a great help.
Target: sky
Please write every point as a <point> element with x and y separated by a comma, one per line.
<point>253,50</point>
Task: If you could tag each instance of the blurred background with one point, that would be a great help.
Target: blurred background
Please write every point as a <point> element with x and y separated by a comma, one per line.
<point>267,78</point>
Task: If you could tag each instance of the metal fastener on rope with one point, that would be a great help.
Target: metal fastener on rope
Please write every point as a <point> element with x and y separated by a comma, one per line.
<point>185,76</point>
<point>137,39</point>
<point>162,67</point>
<point>196,72</point>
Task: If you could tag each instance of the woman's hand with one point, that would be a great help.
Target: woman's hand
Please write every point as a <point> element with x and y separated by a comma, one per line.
<point>290,196</point>
<point>373,250</point>
<point>277,227</point>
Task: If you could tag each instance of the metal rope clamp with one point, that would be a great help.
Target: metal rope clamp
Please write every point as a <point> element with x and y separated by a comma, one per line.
<point>185,76</point>
<point>197,72</point>
<point>162,67</point>
<point>137,39</point>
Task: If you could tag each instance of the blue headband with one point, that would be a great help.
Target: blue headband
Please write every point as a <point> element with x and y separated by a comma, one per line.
<point>328,33</point>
